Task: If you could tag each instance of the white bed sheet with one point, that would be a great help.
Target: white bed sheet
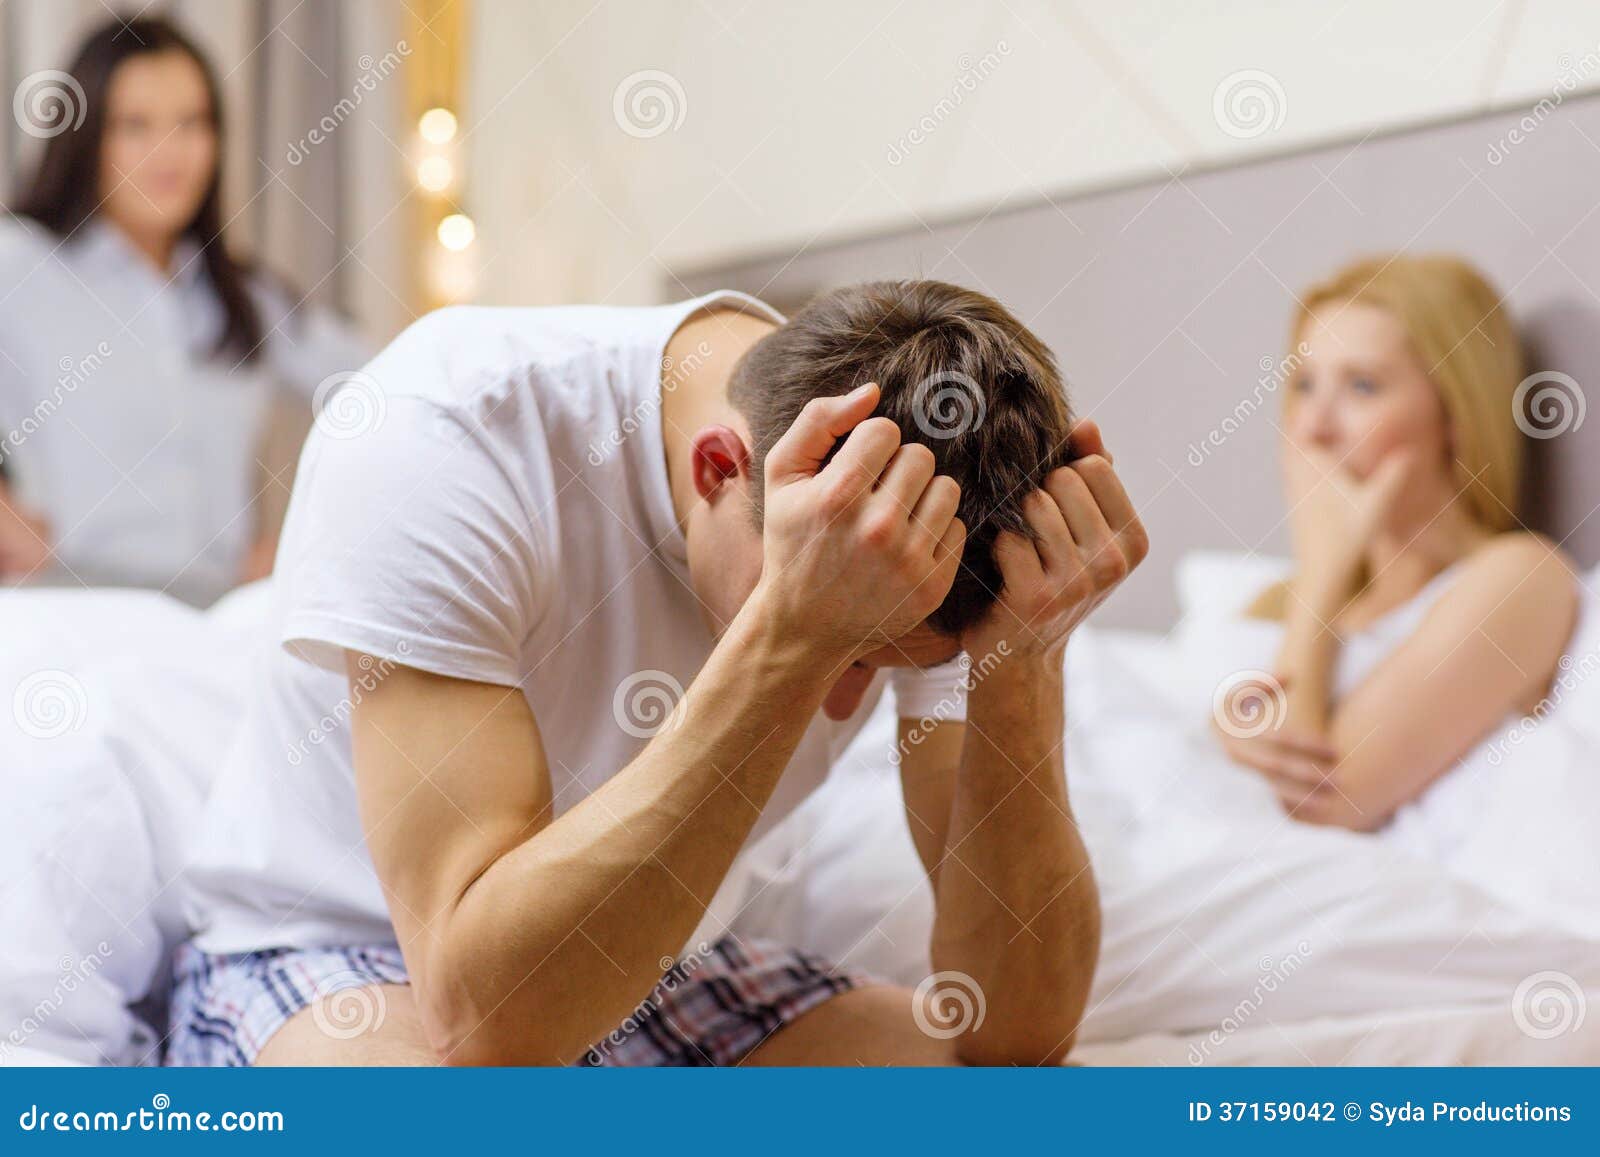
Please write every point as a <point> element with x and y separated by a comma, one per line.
<point>1292,944</point>
<point>1393,960</point>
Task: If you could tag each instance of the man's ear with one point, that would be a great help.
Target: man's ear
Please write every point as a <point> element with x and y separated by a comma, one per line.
<point>717,456</point>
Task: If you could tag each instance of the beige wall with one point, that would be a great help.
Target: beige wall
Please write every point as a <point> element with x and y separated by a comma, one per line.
<point>804,122</point>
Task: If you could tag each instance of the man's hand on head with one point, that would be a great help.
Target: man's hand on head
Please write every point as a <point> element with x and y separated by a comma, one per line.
<point>1086,539</point>
<point>861,550</point>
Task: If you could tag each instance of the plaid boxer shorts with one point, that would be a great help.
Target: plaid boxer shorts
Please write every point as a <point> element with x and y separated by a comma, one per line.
<point>712,1007</point>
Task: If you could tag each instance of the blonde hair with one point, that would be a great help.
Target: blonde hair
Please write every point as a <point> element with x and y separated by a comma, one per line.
<point>1466,342</point>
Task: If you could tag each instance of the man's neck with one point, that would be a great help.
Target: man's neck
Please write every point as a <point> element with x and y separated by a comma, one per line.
<point>694,387</point>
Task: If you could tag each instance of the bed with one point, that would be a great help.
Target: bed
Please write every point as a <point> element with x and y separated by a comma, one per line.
<point>1329,950</point>
<point>1167,300</point>
<point>1223,944</point>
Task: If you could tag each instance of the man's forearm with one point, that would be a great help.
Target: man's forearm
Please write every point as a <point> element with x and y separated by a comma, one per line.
<point>1017,908</point>
<point>562,937</point>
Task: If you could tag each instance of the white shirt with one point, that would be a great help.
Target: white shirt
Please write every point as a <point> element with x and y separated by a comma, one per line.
<point>117,422</point>
<point>503,516</point>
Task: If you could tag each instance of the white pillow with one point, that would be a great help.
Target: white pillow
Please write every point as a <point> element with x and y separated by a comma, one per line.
<point>1220,584</point>
<point>81,941</point>
<point>116,705</point>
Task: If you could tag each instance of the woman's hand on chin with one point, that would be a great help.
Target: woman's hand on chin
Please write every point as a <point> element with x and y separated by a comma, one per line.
<point>1334,515</point>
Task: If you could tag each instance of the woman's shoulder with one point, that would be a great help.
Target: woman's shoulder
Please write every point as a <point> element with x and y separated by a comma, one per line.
<point>1518,586</point>
<point>1522,558</point>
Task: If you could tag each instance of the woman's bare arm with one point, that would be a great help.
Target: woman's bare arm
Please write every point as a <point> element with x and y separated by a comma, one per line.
<point>1490,646</point>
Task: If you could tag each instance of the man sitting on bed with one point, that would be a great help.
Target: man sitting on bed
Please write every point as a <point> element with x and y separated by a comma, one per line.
<point>562,593</point>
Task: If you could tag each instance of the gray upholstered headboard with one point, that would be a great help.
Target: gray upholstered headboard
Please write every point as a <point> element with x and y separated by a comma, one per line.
<point>1164,300</point>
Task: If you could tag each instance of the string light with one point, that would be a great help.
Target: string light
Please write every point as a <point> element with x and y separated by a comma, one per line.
<point>435,174</point>
<point>456,232</point>
<point>437,126</point>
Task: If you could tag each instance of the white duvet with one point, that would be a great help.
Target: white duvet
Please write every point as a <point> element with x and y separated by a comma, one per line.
<point>1464,933</point>
<point>1467,931</point>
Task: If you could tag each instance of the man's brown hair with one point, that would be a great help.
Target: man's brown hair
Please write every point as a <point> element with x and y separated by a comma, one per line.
<point>957,372</point>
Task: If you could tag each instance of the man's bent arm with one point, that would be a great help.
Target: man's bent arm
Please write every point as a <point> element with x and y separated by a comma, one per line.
<point>1017,907</point>
<point>527,942</point>
<point>1017,910</point>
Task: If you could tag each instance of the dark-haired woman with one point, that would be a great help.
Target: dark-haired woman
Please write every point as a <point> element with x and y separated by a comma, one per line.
<point>138,358</point>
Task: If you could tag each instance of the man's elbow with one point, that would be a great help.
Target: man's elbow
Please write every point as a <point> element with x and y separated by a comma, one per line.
<point>458,1026</point>
<point>1033,1049</point>
<point>452,1026</point>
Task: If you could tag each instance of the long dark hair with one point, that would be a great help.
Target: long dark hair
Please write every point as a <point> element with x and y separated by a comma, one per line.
<point>65,191</point>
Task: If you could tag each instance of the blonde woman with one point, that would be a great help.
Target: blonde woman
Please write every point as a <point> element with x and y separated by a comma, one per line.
<point>1420,613</point>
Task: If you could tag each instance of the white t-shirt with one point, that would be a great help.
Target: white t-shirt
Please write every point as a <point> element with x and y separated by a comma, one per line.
<point>496,509</point>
